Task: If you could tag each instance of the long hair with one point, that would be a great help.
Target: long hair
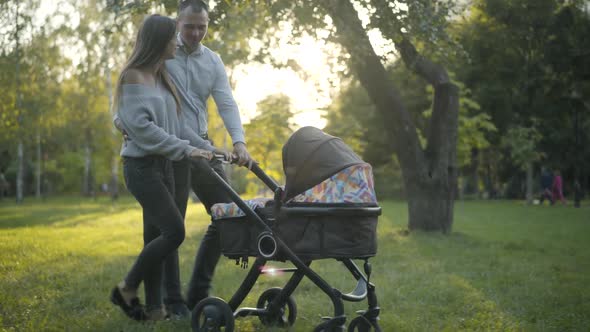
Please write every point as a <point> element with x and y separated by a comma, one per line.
<point>153,37</point>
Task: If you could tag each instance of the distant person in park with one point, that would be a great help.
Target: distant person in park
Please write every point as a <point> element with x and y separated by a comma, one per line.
<point>546,185</point>
<point>148,108</point>
<point>558,187</point>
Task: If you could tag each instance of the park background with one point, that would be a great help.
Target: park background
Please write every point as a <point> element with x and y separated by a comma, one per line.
<point>521,68</point>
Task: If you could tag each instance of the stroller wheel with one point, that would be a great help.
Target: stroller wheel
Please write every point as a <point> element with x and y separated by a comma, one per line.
<point>286,314</point>
<point>212,315</point>
<point>362,324</point>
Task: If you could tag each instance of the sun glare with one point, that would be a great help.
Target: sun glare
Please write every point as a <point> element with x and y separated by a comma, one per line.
<point>309,86</point>
<point>310,83</point>
<point>271,271</point>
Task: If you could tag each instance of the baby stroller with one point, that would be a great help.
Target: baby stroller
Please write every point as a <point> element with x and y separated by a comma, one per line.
<point>327,209</point>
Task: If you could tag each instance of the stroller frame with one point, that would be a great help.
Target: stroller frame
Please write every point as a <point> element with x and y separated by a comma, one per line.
<point>212,313</point>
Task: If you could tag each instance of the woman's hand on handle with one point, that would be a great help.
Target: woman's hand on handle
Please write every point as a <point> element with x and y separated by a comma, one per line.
<point>200,153</point>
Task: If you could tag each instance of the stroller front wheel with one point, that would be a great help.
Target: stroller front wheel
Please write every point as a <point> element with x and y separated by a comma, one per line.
<point>212,315</point>
<point>361,324</point>
<point>282,317</point>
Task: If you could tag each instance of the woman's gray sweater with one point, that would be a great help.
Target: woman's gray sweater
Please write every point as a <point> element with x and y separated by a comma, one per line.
<point>148,115</point>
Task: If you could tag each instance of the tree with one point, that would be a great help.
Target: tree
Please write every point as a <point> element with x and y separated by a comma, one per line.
<point>16,17</point>
<point>270,129</point>
<point>89,101</point>
<point>522,144</point>
<point>429,172</point>
<point>43,64</point>
<point>543,40</point>
<point>113,16</point>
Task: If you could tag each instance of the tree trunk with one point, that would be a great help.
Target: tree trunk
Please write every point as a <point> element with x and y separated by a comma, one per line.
<point>87,187</point>
<point>529,183</point>
<point>431,200</point>
<point>38,167</point>
<point>474,168</point>
<point>20,172</point>
<point>430,207</point>
<point>20,148</point>
<point>114,185</point>
<point>429,174</point>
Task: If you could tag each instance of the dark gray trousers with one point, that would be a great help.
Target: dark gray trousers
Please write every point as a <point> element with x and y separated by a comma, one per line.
<point>181,170</point>
<point>150,179</point>
<point>209,193</point>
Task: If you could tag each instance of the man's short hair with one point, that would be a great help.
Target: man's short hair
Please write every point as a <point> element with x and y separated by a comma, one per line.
<point>196,6</point>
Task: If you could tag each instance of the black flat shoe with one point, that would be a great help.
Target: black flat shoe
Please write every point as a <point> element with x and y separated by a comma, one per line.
<point>134,311</point>
<point>178,311</point>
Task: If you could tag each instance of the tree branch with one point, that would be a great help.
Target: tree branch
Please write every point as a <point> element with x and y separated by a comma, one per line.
<point>433,73</point>
<point>445,104</point>
<point>374,78</point>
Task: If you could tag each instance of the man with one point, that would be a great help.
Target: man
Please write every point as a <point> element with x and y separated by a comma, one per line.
<point>199,73</point>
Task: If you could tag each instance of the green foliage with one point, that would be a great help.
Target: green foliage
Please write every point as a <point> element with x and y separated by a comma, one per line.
<point>514,61</point>
<point>525,71</point>
<point>522,144</point>
<point>474,125</point>
<point>388,180</point>
<point>349,117</point>
<point>266,134</point>
<point>353,117</point>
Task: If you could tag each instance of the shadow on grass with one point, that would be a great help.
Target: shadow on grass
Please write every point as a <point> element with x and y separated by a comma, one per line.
<point>59,278</point>
<point>51,211</point>
<point>480,280</point>
<point>494,274</point>
<point>72,295</point>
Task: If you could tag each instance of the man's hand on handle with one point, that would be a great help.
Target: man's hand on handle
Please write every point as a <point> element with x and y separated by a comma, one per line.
<point>227,157</point>
<point>242,154</point>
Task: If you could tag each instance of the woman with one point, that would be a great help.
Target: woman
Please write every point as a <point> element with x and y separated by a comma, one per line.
<point>149,112</point>
<point>558,188</point>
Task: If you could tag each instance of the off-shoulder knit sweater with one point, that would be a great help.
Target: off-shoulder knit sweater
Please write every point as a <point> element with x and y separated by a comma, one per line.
<point>148,115</point>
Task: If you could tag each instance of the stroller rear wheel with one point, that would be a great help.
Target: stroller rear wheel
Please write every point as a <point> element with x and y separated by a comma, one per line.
<point>284,317</point>
<point>212,315</point>
<point>362,324</point>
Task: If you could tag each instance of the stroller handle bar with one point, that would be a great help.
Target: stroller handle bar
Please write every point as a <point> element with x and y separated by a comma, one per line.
<point>254,168</point>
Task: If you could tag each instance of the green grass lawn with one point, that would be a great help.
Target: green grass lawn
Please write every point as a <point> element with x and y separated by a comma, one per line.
<point>505,267</point>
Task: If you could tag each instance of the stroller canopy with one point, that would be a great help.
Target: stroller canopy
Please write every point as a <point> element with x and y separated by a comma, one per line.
<point>310,156</point>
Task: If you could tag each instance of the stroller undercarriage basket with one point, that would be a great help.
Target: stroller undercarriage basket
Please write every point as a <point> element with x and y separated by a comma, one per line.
<point>311,231</point>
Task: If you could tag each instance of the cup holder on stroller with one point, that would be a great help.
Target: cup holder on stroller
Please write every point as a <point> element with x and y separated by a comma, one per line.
<point>267,245</point>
